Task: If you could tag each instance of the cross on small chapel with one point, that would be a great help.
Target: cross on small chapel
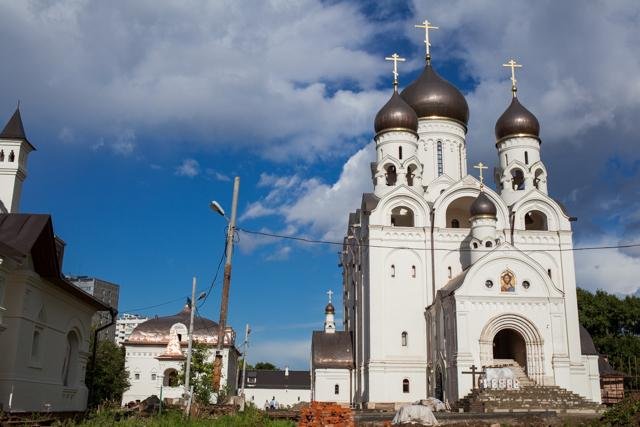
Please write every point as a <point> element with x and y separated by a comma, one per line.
<point>427,26</point>
<point>513,65</point>
<point>330,293</point>
<point>480,166</point>
<point>474,371</point>
<point>395,58</point>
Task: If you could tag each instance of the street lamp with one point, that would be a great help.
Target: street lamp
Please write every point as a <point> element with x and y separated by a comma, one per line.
<point>224,302</point>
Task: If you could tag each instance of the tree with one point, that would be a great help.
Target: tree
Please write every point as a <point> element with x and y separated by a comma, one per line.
<point>249,366</point>
<point>200,374</point>
<point>614,325</point>
<point>266,366</point>
<point>109,377</point>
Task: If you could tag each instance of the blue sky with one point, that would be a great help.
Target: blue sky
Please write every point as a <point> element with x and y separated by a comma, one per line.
<point>143,112</point>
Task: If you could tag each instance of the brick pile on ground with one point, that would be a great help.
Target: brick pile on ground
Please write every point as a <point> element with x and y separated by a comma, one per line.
<point>325,414</point>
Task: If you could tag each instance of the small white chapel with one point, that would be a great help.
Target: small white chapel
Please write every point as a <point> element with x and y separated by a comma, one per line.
<point>443,276</point>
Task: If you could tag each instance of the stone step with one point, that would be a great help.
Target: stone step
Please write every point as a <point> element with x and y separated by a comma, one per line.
<point>528,398</point>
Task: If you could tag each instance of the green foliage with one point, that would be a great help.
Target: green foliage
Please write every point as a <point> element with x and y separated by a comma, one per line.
<point>625,413</point>
<point>201,373</point>
<point>249,418</point>
<point>110,378</point>
<point>614,325</point>
<point>249,365</point>
<point>266,366</point>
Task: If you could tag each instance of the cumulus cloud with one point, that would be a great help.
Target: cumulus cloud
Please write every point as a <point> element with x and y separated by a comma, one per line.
<point>612,270</point>
<point>286,78</point>
<point>189,168</point>
<point>320,209</point>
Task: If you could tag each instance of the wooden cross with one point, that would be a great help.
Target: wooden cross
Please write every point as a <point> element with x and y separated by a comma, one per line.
<point>513,65</point>
<point>395,58</point>
<point>330,293</point>
<point>474,371</point>
<point>427,26</point>
<point>480,166</point>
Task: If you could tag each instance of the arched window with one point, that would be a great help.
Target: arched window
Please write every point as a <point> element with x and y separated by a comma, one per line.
<point>549,272</point>
<point>475,245</point>
<point>391,175</point>
<point>440,161</point>
<point>1,155</point>
<point>535,220</point>
<point>410,175</point>
<point>517,179</point>
<point>404,339</point>
<point>449,270</point>
<point>400,153</point>
<point>413,271</point>
<point>153,376</point>
<point>455,223</point>
<point>393,270</point>
<point>488,244</point>
<point>459,210</point>
<point>336,389</point>
<point>170,378</point>
<point>70,365</point>
<point>537,178</point>
<point>506,158</point>
<point>526,158</point>
<point>402,216</point>
<point>405,385</point>
<point>35,346</point>
<point>12,156</point>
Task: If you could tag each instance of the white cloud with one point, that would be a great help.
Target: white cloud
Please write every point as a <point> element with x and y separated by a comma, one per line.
<point>215,73</point>
<point>319,208</point>
<point>189,168</point>
<point>124,143</point>
<point>612,270</point>
<point>281,254</point>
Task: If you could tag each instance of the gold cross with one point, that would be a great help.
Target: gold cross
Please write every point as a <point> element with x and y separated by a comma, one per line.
<point>427,26</point>
<point>395,58</point>
<point>513,65</point>
<point>480,166</point>
<point>330,293</point>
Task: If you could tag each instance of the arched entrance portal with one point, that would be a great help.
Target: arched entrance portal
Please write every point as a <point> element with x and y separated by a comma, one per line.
<point>513,336</point>
<point>509,344</point>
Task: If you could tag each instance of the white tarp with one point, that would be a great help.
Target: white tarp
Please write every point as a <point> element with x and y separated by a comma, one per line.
<point>500,378</point>
<point>415,414</point>
<point>432,403</point>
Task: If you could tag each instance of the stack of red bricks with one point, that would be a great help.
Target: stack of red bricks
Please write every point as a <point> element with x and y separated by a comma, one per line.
<point>325,414</point>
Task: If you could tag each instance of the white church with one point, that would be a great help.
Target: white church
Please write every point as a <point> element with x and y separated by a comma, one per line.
<point>442,275</point>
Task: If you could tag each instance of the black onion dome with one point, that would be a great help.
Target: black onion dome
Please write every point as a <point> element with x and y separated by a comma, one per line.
<point>483,205</point>
<point>517,120</point>
<point>431,95</point>
<point>396,114</point>
<point>329,309</point>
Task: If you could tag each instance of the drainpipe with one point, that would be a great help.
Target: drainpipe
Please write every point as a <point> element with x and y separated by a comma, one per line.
<point>114,313</point>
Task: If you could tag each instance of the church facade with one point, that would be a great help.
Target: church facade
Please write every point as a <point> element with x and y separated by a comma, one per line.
<point>443,275</point>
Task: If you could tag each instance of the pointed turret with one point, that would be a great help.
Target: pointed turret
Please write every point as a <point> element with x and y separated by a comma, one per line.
<point>14,128</point>
<point>14,149</point>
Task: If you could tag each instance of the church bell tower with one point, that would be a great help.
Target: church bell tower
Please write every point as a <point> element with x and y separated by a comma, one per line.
<point>14,150</point>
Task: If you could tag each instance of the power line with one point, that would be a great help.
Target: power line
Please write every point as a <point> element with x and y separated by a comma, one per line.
<point>329,242</point>
<point>155,305</point>
<point>215,277</point>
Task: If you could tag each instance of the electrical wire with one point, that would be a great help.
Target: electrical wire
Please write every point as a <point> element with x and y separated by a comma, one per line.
<point>329,242</point>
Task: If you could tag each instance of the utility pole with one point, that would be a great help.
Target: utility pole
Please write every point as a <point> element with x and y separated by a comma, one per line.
<point>187,391</point>
<point>224,302</point>
<point>247,331</point>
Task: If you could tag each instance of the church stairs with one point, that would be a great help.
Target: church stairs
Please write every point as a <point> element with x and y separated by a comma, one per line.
<point>529,398</point>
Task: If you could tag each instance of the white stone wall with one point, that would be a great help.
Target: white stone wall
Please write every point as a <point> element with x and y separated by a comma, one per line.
<point>284,397</point>
<point>32,369</point>
<point>142,360</point>
<point>325,383</point>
